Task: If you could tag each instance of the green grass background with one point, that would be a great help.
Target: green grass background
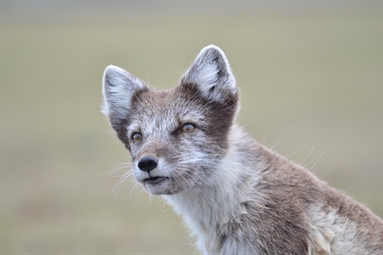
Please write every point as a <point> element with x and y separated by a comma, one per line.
<point>311,81</point>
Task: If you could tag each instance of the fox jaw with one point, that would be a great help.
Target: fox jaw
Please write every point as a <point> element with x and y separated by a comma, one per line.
<point>177,138</point>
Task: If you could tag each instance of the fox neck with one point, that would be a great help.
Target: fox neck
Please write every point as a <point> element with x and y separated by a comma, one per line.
<point>212,209</point>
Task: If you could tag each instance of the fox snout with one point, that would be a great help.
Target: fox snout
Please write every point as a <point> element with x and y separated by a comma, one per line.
<point>147,163</point>
<point>151,172</point>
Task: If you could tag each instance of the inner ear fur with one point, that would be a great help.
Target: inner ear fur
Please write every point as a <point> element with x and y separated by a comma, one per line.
<point>212,75</point>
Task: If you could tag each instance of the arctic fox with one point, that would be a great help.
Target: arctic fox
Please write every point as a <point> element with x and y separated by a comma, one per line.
<point>237,196</point>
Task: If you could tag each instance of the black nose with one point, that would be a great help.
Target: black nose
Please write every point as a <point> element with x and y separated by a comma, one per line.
<point>147,163</point>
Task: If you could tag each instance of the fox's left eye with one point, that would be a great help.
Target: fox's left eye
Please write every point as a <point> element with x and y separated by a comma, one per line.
<point>187,127</point>
<point>136,136</point>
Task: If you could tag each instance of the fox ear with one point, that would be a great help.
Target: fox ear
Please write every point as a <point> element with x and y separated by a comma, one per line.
<point>212,75</point>
<point>118,89</point>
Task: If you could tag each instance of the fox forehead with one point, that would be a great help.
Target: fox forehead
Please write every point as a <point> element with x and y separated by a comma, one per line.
<point>164,110</point>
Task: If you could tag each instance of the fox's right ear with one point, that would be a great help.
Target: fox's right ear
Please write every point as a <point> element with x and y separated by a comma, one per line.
<point>118,89</point>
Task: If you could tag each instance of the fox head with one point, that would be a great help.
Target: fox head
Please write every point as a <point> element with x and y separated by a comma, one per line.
<point>177,138</point>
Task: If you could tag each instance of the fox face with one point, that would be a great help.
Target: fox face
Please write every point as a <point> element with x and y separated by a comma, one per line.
<point>177,138</point>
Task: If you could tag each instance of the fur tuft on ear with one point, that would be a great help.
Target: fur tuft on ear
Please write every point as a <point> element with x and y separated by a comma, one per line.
<point>118,88</point>
<point>212,75</point>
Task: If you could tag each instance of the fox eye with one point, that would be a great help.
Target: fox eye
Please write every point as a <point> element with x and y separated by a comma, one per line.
<point>187,127</point>
<point>136,136</point>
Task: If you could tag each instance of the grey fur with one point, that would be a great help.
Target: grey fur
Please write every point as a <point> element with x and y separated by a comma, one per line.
<point>236,196</point>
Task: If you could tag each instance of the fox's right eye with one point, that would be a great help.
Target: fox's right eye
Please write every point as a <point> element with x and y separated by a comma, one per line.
<point>136,136</point>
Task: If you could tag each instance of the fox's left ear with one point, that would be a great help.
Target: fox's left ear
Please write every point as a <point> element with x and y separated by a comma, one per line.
<point>212,75</point>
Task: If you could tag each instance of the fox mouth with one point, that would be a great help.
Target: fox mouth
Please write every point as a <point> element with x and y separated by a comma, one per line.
<point>155,180</point>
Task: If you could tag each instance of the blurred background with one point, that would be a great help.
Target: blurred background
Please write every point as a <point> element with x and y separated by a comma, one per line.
<point>311,83</point>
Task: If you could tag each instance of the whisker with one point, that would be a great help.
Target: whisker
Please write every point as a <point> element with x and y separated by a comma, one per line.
<point>123,178</point>
<point>275,144</point>
<point>311,151</point>
<point>150,200</point>
<point>118,167</point>
<point>291,154</point>
<point>316,162</point>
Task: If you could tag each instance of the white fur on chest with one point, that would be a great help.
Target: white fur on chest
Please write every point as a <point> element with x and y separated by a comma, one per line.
<point>210,210</point>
